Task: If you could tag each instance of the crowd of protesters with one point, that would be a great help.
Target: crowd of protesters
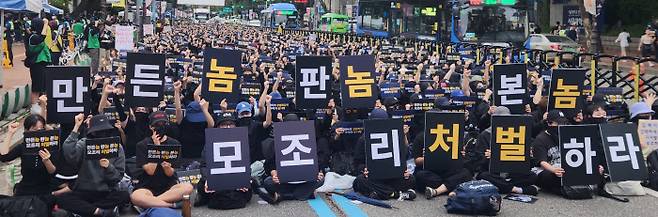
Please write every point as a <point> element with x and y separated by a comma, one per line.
<point>267,59</point>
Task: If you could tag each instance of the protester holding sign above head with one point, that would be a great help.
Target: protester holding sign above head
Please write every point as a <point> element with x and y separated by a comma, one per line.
<point>157,186</point>
<point>95,192</point>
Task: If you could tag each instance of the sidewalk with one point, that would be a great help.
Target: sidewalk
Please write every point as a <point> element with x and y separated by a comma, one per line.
<point>19,74</point>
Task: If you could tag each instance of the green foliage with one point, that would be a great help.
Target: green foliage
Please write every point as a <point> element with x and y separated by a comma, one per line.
<point>61,4</point>
<point>631,14</point>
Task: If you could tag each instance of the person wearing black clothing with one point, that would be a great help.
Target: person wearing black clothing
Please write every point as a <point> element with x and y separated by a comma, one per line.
<point>507,183</point>
<point>398,188</point>
<point>546,154</point>
<point>37,169</point>
<point>158,186</point>
<point>96,192</point>
<point>37,57</point>
<point>196,119</point>
<point>226,199</point>
<point>277,191</point>
<point>435,183</point>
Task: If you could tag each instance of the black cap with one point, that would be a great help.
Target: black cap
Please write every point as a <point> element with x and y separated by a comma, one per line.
<point>226,116</point>
<point>556,116</point>
<point>158,116</point>
<point>99,123</point>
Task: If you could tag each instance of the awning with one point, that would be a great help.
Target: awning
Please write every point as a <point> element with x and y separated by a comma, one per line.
<point>21,5</point>
<point>51,9</point>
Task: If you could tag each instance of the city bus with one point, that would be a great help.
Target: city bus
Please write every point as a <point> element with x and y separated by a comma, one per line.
<point>332,22</point>
<point>284,14</point>
<point>496,24</point>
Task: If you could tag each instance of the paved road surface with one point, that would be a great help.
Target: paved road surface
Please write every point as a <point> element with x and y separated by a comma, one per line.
<point>547,205</point>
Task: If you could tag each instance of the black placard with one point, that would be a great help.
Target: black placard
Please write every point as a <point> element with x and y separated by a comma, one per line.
<point>358,87</point>
<point>227,157</point>
<point>67,88</point>
<point>221,72</point>
<point>510,144</point>
<point>296,151</point>
<point>444,138</point>
<point>160,153</point>
<point>579,145</point>
<point>510,87</point>
<point>385,148</point>
<point>43,139</point>
<point>145,79</point>
<point>566,90</point>
<point>102,148</point>
<point>621,145</point>
<point>313,81</point>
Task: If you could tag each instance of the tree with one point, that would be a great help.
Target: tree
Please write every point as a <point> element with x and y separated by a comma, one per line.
<point>62,4</point>
<point>592,36</point>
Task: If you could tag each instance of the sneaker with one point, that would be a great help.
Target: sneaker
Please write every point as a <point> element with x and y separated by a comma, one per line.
<point>530,190</point>
<point>430,193</point>
<point>407,195</point>
<point>110,213</point>
<point>267,197</point>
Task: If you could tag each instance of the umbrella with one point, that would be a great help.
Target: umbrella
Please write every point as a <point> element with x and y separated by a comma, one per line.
<point>364,199</point>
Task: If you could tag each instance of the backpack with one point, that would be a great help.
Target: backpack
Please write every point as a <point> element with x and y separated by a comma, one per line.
<point>160,212</point>
<point>22,206</point>
<point>652,166</point>
<point>578,192</point>
<point>477,197</point>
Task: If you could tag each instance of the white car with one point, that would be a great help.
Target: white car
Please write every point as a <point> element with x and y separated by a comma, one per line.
<point>255,23</point>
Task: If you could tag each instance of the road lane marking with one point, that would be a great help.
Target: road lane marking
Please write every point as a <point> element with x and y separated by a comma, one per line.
<point>320,207</point>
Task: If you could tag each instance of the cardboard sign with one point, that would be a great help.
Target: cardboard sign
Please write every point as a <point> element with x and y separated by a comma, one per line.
<point>406,116</point>
<point>444,139</point>
<point>227,158</point>
<point>123,40</point>
<point>313,81</point>
<point>566,91</point>
<point>580,158</point>
<point>221,71</point>
<point>39,140</point>
<point>67,89</point>
<point>189,176</point>
<point>296,151</point>
<point>144,79</point>
<point>622,152</point>
<point>103,148</point>
<point>358,88</point>
<point>648,133</point>
<point>510,83</point>
<point>510,144</point>
<point>160,153</point>
<point>385,149</point>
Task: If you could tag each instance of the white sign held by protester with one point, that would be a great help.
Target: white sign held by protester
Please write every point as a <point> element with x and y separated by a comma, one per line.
<point>648,132</point>
<point>148,29</point>
<point>124,38</point>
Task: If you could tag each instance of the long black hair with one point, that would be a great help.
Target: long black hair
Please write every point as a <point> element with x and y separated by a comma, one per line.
<point>32,120</point>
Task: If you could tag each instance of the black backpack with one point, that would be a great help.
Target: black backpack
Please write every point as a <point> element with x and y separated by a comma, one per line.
<point>652,166</point>
<point>22,206</point>
<point>477,197</point>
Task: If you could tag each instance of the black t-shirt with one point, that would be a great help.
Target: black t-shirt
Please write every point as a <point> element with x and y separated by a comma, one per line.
<point>545,148</point>
<point>192,137</point>
<point>36,179</point>
<point>159,181</point>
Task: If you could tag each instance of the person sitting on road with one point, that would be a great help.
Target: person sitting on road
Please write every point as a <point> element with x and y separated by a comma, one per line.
<point>158,186</point>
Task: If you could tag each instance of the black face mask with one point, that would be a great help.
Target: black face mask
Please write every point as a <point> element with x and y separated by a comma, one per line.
<point>552,130</point>
<point>141,117</point>
<point>161,130</point>
<point>598,120</point>
<point>244,121</point>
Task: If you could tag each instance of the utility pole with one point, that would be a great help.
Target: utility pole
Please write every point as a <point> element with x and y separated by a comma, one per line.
<point>138,15</point>
<point>596,38</point>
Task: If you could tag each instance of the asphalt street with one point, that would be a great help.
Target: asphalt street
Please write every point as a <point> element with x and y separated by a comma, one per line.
<point>546,205</point>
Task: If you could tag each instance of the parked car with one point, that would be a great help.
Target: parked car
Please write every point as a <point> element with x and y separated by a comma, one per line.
<point>551,42</point>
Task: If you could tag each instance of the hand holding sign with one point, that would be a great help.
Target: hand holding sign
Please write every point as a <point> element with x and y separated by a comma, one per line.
<point>44,154</point>
<point>104,162</point>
